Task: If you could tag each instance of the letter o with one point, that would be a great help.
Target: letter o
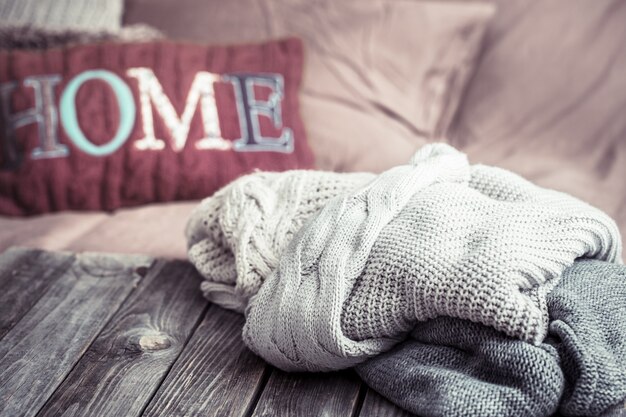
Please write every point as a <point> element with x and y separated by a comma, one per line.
<point>125,103</point>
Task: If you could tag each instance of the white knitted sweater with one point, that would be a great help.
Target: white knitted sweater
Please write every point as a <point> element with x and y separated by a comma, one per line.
<point>432,238</point>
<point>236,236</point>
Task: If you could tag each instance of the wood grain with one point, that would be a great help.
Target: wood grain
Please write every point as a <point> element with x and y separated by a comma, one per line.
<point>41,349</point>
<point>376,405</point>
<point>25,275</point>
<point>125,365</point>
<point>119,335</point>
<point>327,394</point>
<point>216,375</point>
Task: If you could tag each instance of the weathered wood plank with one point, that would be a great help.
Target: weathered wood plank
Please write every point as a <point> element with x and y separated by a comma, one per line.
<point>41,349</point>
<point>327,394</point>
<point>216,375</point>
<point>125,365</point>
<point>376,405</point>
<point>25,275</point>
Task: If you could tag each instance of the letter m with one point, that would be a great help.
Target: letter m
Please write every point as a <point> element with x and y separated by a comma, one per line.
<point>201,92</point>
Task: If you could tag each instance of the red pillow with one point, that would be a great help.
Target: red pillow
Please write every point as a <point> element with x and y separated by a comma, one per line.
<point>109,125</point>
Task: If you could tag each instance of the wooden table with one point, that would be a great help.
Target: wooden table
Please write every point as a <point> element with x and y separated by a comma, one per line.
<point>118,335</point>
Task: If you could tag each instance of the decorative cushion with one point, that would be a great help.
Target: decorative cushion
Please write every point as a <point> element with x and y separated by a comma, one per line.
<point>381,77</point>
<point>109,125</point>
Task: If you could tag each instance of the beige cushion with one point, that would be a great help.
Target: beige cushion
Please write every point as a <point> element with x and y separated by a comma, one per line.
<point>155,230</point>
<point>548,99</point>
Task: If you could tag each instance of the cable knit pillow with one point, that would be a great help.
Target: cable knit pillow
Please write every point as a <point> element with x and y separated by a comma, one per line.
<point>108,125</point>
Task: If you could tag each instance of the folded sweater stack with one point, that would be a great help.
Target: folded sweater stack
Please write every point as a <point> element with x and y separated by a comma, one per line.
<point>335,269</point>
<point>461,368</point>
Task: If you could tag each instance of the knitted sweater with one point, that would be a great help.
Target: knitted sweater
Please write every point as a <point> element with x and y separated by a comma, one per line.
<point>432,238</point>
<point>64,14</point>
<point>451,367</point>
<point>236,236</point>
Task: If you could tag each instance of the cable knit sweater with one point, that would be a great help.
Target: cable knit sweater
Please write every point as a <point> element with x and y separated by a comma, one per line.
<point>236,236</point>
<point>432,238</point>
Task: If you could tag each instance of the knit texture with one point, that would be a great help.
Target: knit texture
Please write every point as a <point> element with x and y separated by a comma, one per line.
<point>64,14</point>
<point>488,253</point>
<point>31,37</point>
<point>236,236</point>
<point>452,367</point>
<point>432,238</point>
